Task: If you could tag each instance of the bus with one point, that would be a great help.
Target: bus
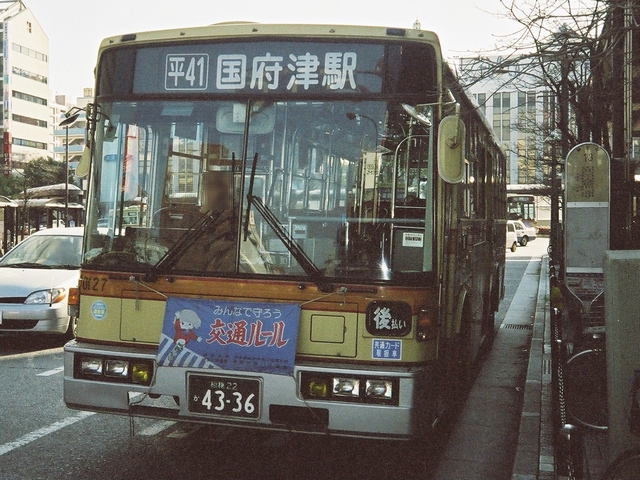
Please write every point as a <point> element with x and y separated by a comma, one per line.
<point>319,243</point>
<point>531,204</point>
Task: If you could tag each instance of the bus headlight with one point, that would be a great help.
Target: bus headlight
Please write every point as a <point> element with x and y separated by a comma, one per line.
<point>349,387</point>
<point>91,366</point>
<point>379,389</point>
<point>116,368</point>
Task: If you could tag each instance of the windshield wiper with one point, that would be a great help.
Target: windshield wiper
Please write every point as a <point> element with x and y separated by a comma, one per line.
<point>291,245</point>
<point>193,233</point>
<point>283,235</point>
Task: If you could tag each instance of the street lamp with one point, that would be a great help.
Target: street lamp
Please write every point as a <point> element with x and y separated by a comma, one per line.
<point>69,119</point>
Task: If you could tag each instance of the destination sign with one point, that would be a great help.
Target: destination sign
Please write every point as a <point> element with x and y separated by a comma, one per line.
<point>268,67</point>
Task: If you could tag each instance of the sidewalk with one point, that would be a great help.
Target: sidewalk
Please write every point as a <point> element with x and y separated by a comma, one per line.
<point>504,429</point>
<point>534,454</point>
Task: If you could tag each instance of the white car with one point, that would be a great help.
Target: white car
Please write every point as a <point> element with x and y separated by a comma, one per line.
<point>525,233</point>
<point>512,238</point>
<point>35,277</point>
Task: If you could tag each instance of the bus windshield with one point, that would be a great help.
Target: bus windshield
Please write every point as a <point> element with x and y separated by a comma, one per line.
<point>334,189</point>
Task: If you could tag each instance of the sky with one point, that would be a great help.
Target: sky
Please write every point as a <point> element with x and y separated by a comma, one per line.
<point>76,27</point>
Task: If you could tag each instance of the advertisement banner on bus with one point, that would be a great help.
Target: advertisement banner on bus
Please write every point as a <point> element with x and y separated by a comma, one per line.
<point>246,336</point>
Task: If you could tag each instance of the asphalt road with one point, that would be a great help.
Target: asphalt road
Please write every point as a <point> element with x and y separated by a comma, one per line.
<point>41,439</point>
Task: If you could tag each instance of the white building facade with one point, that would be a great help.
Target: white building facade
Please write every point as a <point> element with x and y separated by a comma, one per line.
<point>520,112</point>
<point>75,133</point>
<point>26,129</point>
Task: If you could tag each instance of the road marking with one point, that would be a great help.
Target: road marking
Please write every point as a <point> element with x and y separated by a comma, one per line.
<point>156,428</point>
<point>54,427</point>
<point>48,373</point>
<point>40,353</point>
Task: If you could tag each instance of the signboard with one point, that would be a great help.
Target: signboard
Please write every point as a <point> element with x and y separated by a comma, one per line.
<point>383,349</point>
<point>258,68</point>
<point>232,335</point>
<point>586,219</point>
<point>388,318</point>
<point>587,174</point>
<point>6,152</point>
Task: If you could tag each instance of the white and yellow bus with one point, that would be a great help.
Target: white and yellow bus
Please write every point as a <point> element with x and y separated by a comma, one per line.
<point>319,236</point>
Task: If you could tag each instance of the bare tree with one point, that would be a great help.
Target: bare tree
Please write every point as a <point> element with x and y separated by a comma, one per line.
<point>558,46</point>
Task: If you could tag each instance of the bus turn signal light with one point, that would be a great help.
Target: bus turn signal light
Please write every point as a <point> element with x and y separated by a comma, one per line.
<point>74,296</point>
<point>427,324</point>
<point>73,302</point>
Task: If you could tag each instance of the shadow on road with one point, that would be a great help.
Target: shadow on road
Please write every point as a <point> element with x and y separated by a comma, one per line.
<point>14,343</point>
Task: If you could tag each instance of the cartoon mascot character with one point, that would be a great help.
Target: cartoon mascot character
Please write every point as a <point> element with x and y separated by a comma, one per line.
<point>185,322</point>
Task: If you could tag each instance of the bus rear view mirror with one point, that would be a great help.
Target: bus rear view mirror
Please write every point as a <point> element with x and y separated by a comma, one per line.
<point>85,162</point>
<point>451,139</point>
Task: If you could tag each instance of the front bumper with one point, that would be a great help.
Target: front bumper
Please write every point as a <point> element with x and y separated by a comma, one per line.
<point>34,318</point>
<point>281,405</point>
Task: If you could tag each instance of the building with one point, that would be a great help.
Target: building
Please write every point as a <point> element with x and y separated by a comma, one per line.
<point>26,133</point>
<point>76,131</point>
<point>521,111</point>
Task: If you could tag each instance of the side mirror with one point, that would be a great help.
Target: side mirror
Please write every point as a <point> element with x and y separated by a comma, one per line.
<point>85,163</point>
<point>451,139</point>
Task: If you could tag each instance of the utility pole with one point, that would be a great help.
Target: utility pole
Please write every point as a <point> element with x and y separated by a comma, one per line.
<point>619,197</point>
<point>563,127</point>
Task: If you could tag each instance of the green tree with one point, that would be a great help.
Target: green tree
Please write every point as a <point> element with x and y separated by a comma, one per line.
<point>43,171</point>
<point>11,185</point>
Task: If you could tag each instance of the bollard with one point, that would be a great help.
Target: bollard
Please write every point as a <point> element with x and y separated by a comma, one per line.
<point>570,453</point>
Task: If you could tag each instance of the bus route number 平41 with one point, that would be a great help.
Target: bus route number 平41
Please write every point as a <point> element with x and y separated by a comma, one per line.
<point>187,72</point>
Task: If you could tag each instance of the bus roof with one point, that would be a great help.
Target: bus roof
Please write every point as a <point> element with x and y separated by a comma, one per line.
<point>259,30</point>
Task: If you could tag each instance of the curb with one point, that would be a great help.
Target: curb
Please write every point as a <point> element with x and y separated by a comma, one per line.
<point>534,458</point>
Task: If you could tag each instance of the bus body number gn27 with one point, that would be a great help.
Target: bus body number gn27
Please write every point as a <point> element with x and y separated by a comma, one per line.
<point>187,71</point>
<point>92,284</point>
<point>235,397</point>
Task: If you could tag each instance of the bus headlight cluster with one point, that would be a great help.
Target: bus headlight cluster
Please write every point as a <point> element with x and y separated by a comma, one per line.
<point>123,370</point>
<point>324,386</point>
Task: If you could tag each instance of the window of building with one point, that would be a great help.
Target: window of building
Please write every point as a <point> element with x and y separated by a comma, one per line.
<point>502,118</point>
<point>29,120</point>
<point>29,143</point>
<point>527,130</point>
<point>29,27</point>
<point>30,75</point>
<point>29,98</point>
<point>481,98</point>
<point>30,53</point>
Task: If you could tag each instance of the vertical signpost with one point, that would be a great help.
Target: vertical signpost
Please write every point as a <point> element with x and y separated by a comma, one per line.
<point>586,226</point>
<point>6,153</point>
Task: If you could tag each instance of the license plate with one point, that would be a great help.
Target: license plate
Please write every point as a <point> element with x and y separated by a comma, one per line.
<point>227,396</point>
